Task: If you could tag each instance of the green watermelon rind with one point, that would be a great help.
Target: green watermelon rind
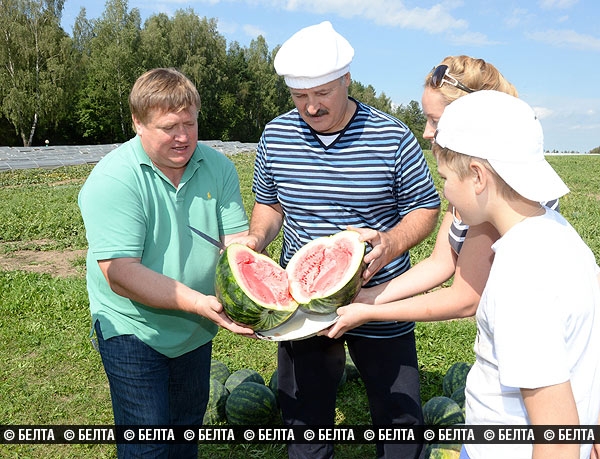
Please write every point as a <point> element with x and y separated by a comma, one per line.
<point>455,377</point>
<point>251,403</point>
<point>442,411</point>
<point>241,376</point>
<point>219,371</point>
<point>237,303</point>
<point>215,408</point>
<point>443,451</point>
<point>345,294</point>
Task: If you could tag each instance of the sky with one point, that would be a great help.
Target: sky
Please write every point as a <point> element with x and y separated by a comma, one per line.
<point>549,49</point>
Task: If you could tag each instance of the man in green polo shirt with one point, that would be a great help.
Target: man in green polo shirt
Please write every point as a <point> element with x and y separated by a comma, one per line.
<point>150,280</point>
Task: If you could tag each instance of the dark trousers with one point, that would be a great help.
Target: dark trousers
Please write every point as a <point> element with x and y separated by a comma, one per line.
<point>150,389</point>
<point>309,373</point>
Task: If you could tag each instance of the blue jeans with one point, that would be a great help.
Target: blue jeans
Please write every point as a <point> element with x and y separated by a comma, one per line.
<point>147,388</point>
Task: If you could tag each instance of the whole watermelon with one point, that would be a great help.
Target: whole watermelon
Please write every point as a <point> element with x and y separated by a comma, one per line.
<point>219,371</point>
<point>459,397</point>
<point>215,410</point>
<point>243,375</point>
<point>455,377</point>
<point>442,451</point>
<point>274,385</point>
<point>251,403</point>
<point>442,411</point>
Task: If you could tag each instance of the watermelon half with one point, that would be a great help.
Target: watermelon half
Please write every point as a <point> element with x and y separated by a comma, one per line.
<point>327,272</point>
<point>253,289</point>
<point>324,274</point>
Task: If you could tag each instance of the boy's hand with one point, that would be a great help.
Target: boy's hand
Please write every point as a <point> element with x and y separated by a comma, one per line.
<point>349,317</point>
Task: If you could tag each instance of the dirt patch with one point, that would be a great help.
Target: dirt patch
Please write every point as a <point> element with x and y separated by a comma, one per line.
<point>55,262</point>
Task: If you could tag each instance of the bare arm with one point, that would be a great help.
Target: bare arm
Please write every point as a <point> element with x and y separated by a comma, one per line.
<point>129,278</point>
<point>552,405</point>
<point>425,275</point>
<point>265,223</point>
<point>458,300</point>
<point>412,229</point>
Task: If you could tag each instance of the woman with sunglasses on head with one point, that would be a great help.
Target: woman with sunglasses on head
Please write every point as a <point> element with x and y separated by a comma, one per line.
<point>459,251</point>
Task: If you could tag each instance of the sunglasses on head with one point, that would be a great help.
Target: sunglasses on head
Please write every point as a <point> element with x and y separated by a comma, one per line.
<point>440,76</point>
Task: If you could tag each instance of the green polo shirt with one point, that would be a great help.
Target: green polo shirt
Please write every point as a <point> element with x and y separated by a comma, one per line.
<point>131,210</point>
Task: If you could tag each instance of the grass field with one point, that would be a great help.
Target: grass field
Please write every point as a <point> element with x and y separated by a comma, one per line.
<point>49,372</point>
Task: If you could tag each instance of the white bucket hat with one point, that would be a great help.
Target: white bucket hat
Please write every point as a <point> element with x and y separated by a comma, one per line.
<point>504,130</point>
<point>314,56</point>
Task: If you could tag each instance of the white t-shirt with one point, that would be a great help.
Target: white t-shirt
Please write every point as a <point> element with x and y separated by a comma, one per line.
<point>538,324</point>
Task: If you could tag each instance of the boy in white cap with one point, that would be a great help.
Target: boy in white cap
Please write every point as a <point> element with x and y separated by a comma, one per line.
<point>330,163</point>
<point>538,322</point>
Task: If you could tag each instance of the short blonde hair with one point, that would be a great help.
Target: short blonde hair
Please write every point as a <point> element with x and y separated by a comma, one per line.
<point>164,90</point>
<point>474,73</point>
<point>460,164</point>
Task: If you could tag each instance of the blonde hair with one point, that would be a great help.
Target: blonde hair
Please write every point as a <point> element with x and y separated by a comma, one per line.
<point>162,89</point>
<point>461,163</point>
<point>474,73</point>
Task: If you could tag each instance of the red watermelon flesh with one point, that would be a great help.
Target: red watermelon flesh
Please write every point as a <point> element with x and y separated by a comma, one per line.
<point>267,282</point>
<point>322,269</point>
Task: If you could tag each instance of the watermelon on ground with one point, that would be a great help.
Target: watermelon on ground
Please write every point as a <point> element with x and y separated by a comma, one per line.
<point>459,396</point>
<point>442,451</point>
<point>274,385</point>
<point>455,377</point>
<point>219,371</point>
<point>215,410</point>
<point>442,410</point>
<point>251,403</point>
<point>243,375</point>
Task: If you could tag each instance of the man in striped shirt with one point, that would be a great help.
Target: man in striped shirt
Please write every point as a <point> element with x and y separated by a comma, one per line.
<point>330,163</point>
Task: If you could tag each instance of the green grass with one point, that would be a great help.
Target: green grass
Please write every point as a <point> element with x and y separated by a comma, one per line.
<point>50,374</point>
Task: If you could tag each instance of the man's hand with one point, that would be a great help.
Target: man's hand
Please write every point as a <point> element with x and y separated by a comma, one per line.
<point>210,308</point>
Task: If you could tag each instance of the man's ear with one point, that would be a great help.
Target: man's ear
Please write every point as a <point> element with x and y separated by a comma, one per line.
<point>479,176</point>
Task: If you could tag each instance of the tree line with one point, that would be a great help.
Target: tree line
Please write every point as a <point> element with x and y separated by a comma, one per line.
<point>73,90</point>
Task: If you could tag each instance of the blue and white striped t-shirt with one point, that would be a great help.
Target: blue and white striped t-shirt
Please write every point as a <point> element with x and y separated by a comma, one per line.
<point>371,176</point>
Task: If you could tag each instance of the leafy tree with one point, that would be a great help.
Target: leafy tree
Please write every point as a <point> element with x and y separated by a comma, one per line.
<point>199,51</point>
<point>368,95</point>
<point>37,60</point>
<point>155,42</point>
<point>595,151</point>
<point>112,68</point>
<point>414,118</point>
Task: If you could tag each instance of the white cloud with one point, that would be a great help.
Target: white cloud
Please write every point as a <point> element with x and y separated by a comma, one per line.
<point>557,4</point>
<point>566,39</point>
<point>470,39</point>
<point>517,17</point>
<point>543,112</point>
<point>434,19</point>
<point>253,31</point>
